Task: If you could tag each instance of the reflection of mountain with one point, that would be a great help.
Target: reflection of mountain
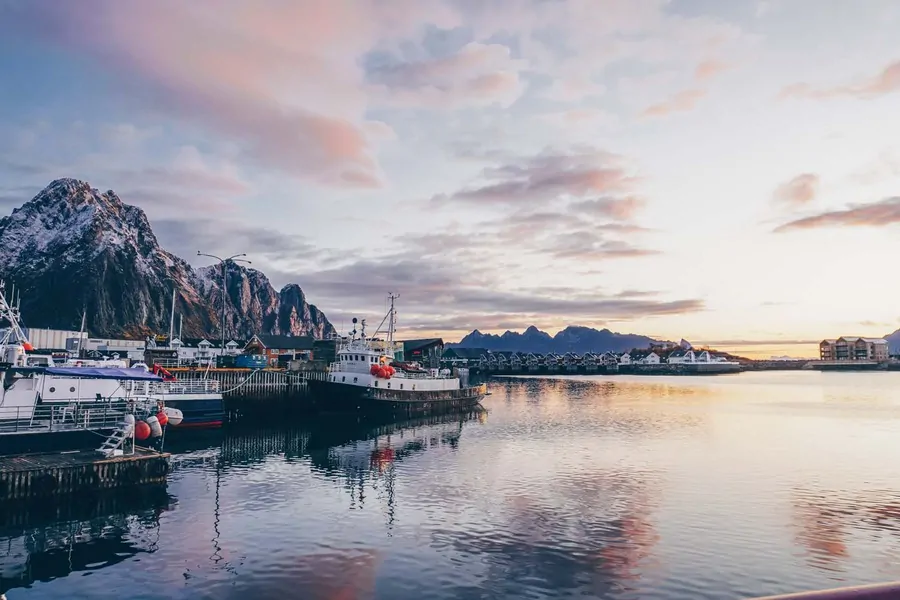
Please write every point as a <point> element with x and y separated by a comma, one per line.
<point>590,533</point>
<point>45,542</point>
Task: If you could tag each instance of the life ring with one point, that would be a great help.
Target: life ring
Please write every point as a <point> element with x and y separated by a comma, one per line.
<point>131,474</point>
<point>45,484</point>
<point>159,468</point>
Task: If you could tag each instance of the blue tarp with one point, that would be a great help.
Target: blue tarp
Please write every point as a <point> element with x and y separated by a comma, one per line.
<point>102,373</point>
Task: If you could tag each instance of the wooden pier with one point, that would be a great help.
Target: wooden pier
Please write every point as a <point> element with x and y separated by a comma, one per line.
<point>30,476</point>
<point>244,383</point>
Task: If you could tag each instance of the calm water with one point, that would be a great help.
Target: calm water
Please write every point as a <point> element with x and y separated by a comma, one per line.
<point>619,488</point>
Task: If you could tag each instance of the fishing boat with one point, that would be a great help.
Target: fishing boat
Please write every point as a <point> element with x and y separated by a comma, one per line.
<point>367,378</point>
<point>199,400</point>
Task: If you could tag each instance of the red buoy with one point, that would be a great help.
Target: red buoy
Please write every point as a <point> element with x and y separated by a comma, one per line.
<point>141,430</point>
<point>382,372</point>
<point>374,370</point>
<point>162,417</point>
<point>27,347</point>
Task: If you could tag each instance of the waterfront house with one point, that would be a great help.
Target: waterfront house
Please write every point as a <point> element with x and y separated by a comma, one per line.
<point>570,361</point>
<point>854,348</point>
<point>533,361</point>
<point>462,357</point>
<point>590,361</point>
<point>644,357</point>
<point>280,347</point>
<point>502,361</point>
<point>625,358</point>
<point>426,352</point>
<point>552,361</point>
<point>516,360</point>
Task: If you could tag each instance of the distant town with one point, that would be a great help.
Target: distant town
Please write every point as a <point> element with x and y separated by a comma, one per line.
<point>305,352</point>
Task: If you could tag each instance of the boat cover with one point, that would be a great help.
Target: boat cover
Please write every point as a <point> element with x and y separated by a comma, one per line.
<point>102,373</point>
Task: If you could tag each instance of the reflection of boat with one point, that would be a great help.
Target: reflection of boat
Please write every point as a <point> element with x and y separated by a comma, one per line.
<point>45,542</point>
<point>366,378</point>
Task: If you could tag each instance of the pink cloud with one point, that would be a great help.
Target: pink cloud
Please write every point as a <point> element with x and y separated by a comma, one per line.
<point>619,208</point>
<point>876,214</point>
<point>478,74</point>
<point>683,101</point>
<point>799,191</point>
<point>545,177</point>
<point>708,69</point>
<point>280,79</point>
<point>885,82</point>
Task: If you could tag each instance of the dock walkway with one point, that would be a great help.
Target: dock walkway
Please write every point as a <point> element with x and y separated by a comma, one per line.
<point>58,473</point>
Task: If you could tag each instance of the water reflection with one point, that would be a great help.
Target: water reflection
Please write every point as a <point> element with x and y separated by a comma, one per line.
<point>829,523</point>
<point>592,531</point>
<point>42,542</point>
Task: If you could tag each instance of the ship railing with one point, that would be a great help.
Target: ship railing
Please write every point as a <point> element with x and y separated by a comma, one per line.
<point>48,418</point>
<point>185,386</point>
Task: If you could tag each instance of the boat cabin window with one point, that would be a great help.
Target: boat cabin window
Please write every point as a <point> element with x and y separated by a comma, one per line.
<point>376,384</point>
<point>354,380</point>
<point>401,386</point>
<point>343,378</point>
<point>389,384</point>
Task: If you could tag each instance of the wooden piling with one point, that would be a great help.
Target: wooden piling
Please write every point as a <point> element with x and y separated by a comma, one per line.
<point>31,476</point>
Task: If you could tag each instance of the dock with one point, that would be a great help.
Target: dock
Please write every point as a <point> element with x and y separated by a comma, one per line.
<point>44,475</point>
<point>248,383</point>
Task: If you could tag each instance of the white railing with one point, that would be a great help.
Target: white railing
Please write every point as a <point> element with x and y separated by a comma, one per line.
<point>186,386</point>
<point>46,418</point>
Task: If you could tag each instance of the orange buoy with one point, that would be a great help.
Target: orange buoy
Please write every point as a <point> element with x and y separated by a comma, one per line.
<point>27,346</point>
<point>141,430</point>
<point>374,370</point>
<point>162,417</point>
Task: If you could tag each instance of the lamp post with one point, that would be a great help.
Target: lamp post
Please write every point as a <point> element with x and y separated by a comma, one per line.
<point>225,261</point>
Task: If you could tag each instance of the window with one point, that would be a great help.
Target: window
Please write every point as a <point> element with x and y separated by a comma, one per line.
<point>343,378</point>
<point>53,389</point>
<point>389,384</point>
<point>354,380</point>
<point>71,389</point>
<point>401,386</point>
<point>376,384</point>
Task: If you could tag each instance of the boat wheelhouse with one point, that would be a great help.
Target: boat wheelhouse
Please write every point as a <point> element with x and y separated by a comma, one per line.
<point>366,376</point>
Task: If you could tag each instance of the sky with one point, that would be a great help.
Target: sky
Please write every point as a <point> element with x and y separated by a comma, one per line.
<point>724,172</point>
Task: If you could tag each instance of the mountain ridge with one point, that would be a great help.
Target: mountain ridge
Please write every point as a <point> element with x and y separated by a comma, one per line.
<point>72,248</point>
<point>574,338</point>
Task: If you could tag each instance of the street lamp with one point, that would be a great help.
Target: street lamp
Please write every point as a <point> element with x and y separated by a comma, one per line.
<point>225,261</point>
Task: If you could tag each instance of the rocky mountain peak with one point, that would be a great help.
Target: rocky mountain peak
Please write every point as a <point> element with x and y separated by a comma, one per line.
<point>76,248</point>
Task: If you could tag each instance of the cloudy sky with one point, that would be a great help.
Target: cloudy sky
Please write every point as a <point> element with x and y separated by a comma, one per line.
<point>727,172</point>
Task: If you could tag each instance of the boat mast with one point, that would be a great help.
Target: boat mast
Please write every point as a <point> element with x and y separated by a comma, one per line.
<point>11,314</point>
<point>392,316</point>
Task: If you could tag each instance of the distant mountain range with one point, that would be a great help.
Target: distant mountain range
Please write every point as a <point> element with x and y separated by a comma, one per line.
<point>72,248</point>
<point>571,339</point>
<point>894,341</point>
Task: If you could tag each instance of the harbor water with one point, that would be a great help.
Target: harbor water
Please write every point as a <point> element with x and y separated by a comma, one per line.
<point>590,487</point>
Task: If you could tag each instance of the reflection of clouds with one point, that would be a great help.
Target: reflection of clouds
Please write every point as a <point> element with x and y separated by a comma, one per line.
<point>338,574</point>
<point>826,522</point>
<point>590,531</point>
<point>627,407</point>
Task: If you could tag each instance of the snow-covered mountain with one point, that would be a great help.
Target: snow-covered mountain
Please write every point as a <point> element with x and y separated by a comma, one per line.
<point>72,248</point>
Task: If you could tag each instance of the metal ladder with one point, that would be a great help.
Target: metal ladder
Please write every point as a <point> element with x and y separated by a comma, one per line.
<point>115,440</point>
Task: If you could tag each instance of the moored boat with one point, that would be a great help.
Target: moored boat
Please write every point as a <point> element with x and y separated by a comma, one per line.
<point>367,378</point>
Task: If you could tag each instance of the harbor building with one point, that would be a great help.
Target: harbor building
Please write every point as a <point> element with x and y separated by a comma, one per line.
<point>854,348</point>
